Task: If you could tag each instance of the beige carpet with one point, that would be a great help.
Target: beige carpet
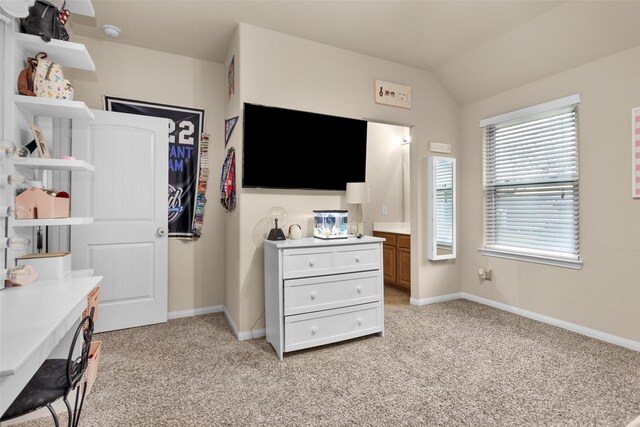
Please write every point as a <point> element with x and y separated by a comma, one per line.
<point>450,364</point>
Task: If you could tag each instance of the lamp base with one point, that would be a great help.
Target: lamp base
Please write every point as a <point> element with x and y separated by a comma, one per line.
<point>276,234</point>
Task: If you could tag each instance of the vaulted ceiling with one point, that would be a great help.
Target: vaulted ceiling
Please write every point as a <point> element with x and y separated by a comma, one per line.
<point>475,48</point>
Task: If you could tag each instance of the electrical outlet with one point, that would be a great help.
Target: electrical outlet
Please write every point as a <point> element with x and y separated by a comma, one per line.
<point>485,274</point>
<point>385,210</point>
<point>393,94</point>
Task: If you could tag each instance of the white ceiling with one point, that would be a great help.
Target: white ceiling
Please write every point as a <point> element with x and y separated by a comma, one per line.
<point>475,48</point>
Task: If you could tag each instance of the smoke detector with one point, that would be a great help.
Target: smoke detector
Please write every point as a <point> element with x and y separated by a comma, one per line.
<point>111,31</point>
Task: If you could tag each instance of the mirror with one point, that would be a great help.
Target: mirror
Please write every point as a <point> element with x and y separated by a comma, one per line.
<point>441,238</point>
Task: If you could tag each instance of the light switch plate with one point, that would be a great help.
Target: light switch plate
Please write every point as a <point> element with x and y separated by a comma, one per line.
<point>393,94</point>
<point>438,147</point>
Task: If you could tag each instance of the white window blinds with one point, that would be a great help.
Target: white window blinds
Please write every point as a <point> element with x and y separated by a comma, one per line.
<point>531,184</point>
<point>444,204</point>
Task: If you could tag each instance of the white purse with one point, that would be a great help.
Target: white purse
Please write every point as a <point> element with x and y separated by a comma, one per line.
<point>49,81</point>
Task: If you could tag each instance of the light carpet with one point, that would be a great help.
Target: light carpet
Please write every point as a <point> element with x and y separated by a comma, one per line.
<point>456,363</point>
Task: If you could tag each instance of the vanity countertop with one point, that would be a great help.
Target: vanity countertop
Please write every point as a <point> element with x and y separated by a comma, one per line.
<point>393,227</point>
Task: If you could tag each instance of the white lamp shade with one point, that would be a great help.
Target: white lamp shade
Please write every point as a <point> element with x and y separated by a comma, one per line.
<point>358,192</point>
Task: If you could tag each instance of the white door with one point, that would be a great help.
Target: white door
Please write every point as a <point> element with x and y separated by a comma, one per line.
<point>127,197</point>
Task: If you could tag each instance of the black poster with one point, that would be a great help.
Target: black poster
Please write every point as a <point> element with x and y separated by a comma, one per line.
<point>185,127</point>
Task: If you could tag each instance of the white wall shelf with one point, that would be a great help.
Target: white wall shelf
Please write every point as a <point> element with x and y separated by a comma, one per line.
<point>50,221</point>
<point>67,54</point>
<point>55,165</point>
<point>53,107</point>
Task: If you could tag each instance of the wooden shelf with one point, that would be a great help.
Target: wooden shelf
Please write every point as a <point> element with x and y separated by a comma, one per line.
<point>50,221</point>
<point>81,7</point>
<point>53,107</point>
<point>67,54</point>
<point>55,165</point>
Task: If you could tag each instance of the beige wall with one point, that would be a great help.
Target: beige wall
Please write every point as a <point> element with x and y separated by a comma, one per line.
<point>232,219</point>
<point>289,72</point>
<point>604,295</point>
<point>196,269</point>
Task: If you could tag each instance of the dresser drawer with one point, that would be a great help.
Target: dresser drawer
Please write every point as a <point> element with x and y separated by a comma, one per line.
<point>306,262</point>
<point>309,262</point>
<point>324,327</point>
<point>358,258</point>
<point>327,292</point>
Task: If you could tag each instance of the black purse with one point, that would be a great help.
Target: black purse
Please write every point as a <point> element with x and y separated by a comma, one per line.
<point>44,21</point>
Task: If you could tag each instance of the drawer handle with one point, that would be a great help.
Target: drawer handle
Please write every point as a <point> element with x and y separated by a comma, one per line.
<point>311,263</point>
<point>359,289</point>
<point>313,296</point>
<point>357,258</point>
<point>359,322</point>
<point>314,330</point>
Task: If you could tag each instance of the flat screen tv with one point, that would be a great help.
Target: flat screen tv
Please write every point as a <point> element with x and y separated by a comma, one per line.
<point>291,149</point>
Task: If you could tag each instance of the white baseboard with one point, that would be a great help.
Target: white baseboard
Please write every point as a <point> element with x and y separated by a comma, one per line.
<point>433,300</point>
<point>635,423</point>
<point>195,311</point>
<point>243,335</point>
<point>249,335</point>
<point>593,333</point>
<point>231,323</point>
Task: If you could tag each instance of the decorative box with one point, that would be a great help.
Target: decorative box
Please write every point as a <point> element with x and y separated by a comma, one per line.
<point>330,224</point>
<point>37,203</point>
<point>54,265</point>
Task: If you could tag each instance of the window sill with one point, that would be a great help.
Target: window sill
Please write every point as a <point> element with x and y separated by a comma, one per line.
<point>538,259</point>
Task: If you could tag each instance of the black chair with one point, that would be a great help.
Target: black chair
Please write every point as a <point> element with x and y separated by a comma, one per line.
<point>56,378</point>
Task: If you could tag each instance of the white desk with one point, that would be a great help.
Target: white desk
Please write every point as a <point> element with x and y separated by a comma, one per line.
<point>34,319</point>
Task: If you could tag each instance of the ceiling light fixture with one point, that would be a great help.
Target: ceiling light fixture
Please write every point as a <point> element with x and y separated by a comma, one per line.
<point>111,31</point>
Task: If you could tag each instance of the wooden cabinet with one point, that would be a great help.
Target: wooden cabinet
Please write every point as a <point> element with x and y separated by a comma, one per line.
<point>389,260</point>
<point>318,292</point>
<point>396,252</point>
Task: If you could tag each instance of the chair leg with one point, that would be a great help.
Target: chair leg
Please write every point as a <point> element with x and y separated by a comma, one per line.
<point>55,416</point>
<point>66,402</point>
<point>78,409</point>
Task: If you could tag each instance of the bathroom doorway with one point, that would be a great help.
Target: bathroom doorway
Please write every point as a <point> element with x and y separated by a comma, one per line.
<point>388,215</point>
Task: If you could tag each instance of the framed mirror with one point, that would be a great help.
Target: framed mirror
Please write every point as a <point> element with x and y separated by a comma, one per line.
<point>441,180</point>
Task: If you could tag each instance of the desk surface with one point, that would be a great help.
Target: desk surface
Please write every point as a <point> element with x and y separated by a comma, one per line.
<point>34,319</point>
<point>31,315</point>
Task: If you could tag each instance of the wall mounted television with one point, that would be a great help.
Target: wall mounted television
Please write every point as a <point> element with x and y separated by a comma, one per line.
<point>291,149</point>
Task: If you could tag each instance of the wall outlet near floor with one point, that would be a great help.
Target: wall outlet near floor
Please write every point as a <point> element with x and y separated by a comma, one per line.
<point>485,274</point>
<point>385,210</point>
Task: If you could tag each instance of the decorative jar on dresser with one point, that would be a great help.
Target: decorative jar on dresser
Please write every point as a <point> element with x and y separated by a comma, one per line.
<point>322,291</point>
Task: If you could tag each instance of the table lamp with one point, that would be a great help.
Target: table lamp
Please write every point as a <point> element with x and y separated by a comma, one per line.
<point>357,194</point>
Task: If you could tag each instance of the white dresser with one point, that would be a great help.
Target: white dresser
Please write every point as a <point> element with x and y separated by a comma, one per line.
<point>322,291</point>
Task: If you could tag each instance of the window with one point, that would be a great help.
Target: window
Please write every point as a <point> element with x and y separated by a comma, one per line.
<point>531,184</point>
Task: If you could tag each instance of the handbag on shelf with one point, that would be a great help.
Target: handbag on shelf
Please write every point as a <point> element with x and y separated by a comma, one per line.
<point>44,78</point>
<point>25,78</point>
<point>49,81</point>
<point>46,20</point>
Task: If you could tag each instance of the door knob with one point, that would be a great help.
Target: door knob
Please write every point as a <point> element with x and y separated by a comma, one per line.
<point>161,231</point>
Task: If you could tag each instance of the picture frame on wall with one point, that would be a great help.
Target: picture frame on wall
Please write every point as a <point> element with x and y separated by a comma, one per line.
<point>635,152</point>
<point>41,143</point>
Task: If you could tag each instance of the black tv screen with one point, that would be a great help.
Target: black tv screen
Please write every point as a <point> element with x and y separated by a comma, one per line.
<point>299,150</point>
